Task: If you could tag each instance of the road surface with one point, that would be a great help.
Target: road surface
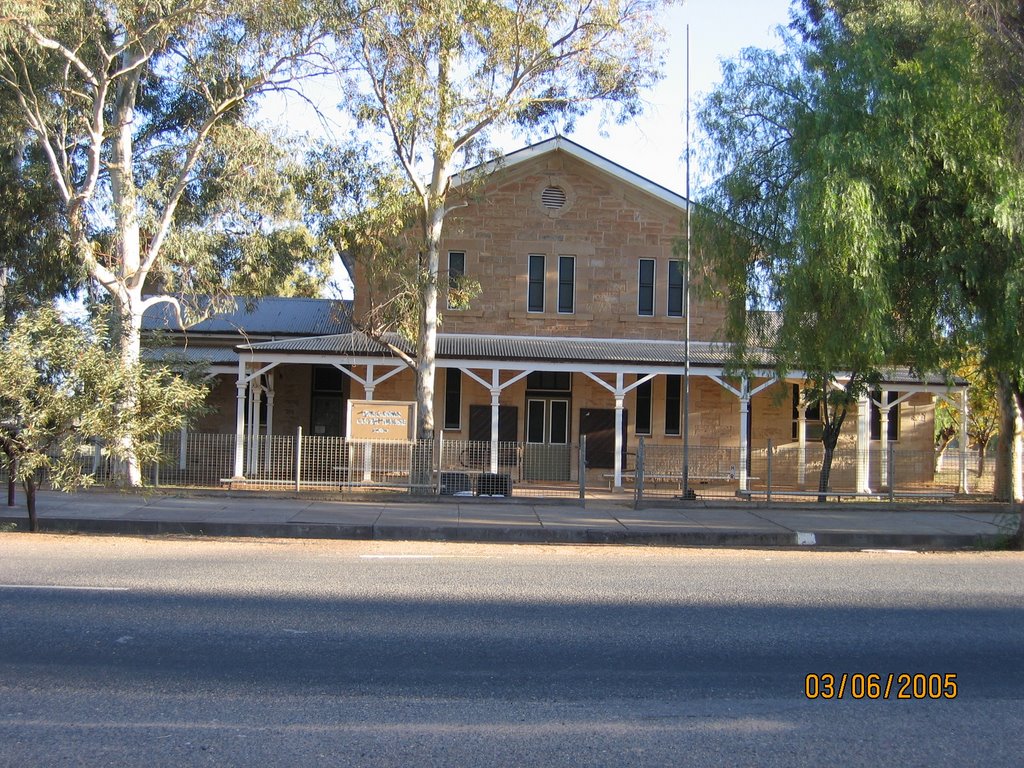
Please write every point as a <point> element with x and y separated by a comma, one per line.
<point>164,652</point>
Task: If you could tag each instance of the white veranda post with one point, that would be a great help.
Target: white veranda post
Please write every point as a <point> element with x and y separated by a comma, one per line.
<point>745,395</point>
<point>619,391</point>
<point>495,387</point>
<point>863,443</point>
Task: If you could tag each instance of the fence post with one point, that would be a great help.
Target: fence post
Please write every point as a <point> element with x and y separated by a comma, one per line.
<point>891,458</point>
<point>183,450</point>
<point>298,459</point>
<point>768,493</point>
<point>583,467</point>
<point>638,478</point>
<point>440,459</point>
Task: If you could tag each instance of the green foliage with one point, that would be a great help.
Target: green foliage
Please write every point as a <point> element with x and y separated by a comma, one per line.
<point>142,111</point>
<point>868,164</point>
<point>61,386</point>
<point>434,80</point>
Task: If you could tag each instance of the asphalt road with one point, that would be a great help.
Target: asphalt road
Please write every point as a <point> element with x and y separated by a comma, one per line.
<point>183,652</point>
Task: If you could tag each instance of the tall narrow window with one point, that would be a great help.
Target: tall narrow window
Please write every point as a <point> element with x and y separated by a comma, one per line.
<point>456,271</point>
<point>535,292</point>
<point>566,284</point>
<point>673,404</point>
<point>675,289</point>
<point>645,292</point>
<point>643,408</point>
<point>452,398</point>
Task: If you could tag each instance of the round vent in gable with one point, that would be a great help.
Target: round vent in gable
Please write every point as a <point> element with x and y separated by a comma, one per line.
<point>553,198</point>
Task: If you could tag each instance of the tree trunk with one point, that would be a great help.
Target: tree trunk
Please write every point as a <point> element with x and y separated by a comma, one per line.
<point>982,448</point>
<point>30,503</point>
<point>127,294</point>
<point>940,454</point>
<point>826,472</point>
<point>426,353</point>
<point>1008,483</point>
<point>829,440</point>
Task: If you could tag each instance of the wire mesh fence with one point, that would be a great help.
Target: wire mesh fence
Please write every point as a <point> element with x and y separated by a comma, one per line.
<point>480,468</point>
<point>792,472</point>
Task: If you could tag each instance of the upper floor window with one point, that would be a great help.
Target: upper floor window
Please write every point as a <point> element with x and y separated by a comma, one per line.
<point>645,292</point>
<point>456,271</point>
<point>675,289</point>
<point>535,291</point>
<point>566,284</point>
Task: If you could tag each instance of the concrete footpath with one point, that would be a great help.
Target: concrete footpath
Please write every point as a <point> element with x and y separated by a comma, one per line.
<point>945,526</point>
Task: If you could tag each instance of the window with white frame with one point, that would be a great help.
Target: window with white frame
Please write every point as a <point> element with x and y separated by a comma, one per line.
<point>645,288</point>
<point>456,271</point>
<point>675,288</point>
<point>535,291</point>
<point>566,285</point>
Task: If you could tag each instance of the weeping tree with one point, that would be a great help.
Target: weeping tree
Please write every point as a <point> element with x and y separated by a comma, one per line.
<point>867,168</point>
<point>787,240</point>
<point>438,79</point>
<point>141,110</point>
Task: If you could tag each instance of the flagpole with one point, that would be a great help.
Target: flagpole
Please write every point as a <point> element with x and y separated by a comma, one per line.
<point>687,493</point>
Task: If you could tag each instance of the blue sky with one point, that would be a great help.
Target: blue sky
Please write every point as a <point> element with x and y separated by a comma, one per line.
<point>652,145</point>
<point>719,29</point>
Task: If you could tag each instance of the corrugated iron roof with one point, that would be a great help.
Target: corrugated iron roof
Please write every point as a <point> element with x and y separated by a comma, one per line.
<point>209,355</point>
<point>509,348</point>
<point>267,316</point>
<point>545,349</point>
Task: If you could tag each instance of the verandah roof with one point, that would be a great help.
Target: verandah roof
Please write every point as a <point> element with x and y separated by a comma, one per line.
<point>639,353</point>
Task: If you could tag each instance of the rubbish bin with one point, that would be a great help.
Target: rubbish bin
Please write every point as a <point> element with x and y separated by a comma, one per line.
<point>490,484</point>
<point>455,482</point>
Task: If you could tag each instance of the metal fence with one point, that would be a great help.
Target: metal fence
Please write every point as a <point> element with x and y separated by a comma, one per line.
<point>792,473</point>
<point>477,468</point>
<point>438,466</point>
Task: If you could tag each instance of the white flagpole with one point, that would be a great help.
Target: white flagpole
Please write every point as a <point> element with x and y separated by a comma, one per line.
<point>687,493</point>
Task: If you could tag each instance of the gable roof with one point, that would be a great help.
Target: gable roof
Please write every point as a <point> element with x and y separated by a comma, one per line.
<point>584,155</point>
<point>266,316</point>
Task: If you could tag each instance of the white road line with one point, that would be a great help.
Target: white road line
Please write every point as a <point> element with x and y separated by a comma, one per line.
<point>428,557</point>
<point>64,586</point>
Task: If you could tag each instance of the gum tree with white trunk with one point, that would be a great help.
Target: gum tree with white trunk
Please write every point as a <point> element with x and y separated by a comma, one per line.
<point>140,109</point>
<point>438,79</point>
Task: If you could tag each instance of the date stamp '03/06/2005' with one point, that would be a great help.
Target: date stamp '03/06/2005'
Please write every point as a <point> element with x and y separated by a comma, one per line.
<point>880,686</point>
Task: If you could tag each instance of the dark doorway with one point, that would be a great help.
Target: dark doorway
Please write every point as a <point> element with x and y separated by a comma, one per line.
<point>598,424</point>
<point>478,455</point>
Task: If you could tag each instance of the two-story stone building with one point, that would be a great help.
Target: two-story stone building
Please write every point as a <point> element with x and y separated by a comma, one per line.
<point>578,331</point>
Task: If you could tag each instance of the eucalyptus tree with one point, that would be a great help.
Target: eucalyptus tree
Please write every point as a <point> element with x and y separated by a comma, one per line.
<point>34,261</point>
<point>438,79</point>
<point>141,110</point>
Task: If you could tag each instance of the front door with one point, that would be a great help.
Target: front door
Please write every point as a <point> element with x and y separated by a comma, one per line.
<point>478,454</point>
<point>548,454</point>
